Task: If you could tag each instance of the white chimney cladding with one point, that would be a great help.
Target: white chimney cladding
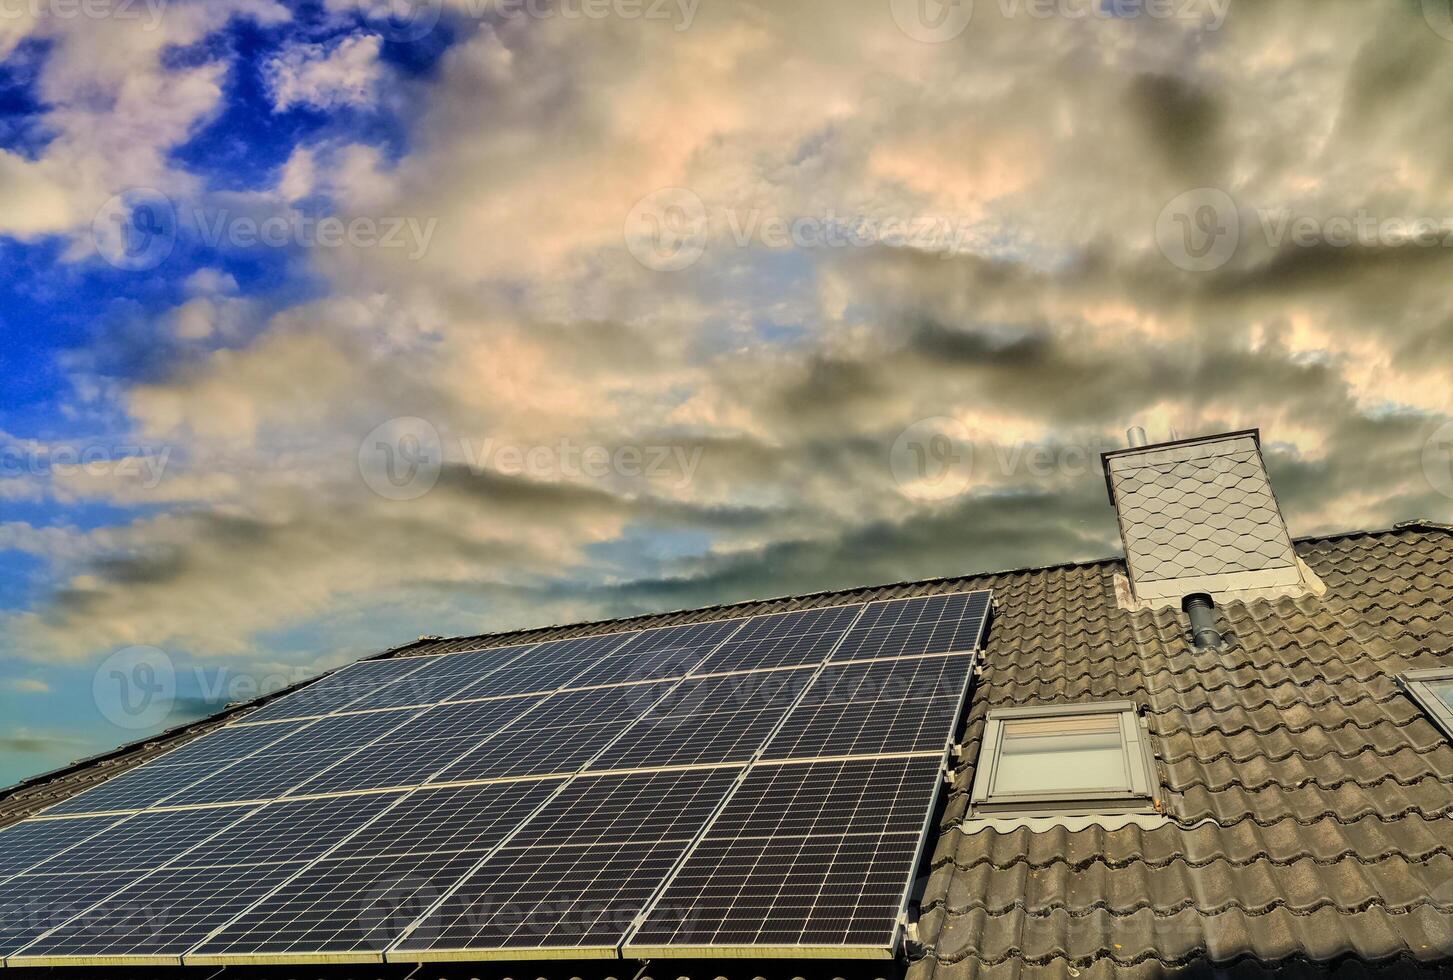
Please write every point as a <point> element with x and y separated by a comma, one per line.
<point>1199,515</point>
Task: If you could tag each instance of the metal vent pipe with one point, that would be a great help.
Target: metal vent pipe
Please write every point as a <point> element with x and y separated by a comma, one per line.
<point>1201,609</point>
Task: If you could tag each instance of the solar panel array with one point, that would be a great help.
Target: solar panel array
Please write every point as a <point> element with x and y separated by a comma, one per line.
<point>758,786</point>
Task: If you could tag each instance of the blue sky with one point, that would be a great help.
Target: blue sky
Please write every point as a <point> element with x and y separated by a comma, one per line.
<point>325,327</point>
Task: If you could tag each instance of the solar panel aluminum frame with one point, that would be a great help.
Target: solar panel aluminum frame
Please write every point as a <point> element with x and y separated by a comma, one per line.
<point>629,950</point>
<point>809,951</point>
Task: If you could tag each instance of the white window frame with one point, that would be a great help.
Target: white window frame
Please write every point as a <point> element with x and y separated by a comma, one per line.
<point>1139,796</point>
<point>1416,682</point>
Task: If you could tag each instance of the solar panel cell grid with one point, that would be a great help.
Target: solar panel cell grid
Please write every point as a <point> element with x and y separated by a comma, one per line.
<point>442,678</point>
<point>929,624</point>
<point>547,897</point>
<point>341,906</point>
<point>785,892</point>
<point>388,765</point>
<point>468,719</point>
<point>31,905</point>
<point>338,690</point>
<point>144,841</point>
<point>26,844</point>
<point>687,739</point>
<point>830,799</point>
<point>229,743</point>
<point>433,821</point>
<point>164,914</point>
<point>342,731</point>
<point>873,708</point>
<point>137,789</point>
<point>938,678</point>
<point>526,752</point>
<point>872,728</point>
<point>782,641</point>
<point>291,830</point>
<point>576,649</point>
<point>602,706</point>
<point>260,777</point>
<point>623,809</point>
<point>531,678</point>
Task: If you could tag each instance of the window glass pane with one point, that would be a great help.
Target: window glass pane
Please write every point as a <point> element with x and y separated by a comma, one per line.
<point>1052,755</point>
<point>1444,691</point>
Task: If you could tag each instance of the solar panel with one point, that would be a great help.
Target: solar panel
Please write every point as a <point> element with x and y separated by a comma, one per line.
<point>460,818</point>
<point>784,897</point>
<point>530,900</point>
<point>928,624</point>
<point>528,752</point>
<point>659,654</point>
<point>342,731</point>
<point>388,765</point>
<point>804,858</point>
<point>630,808</point>
<point>32,905</point>
<point>156,919</point>
<point>442,678</point>
<point>339,689</point>
<point>783,640</point>
<point>229,743</point>
<point>754,786</point>
<point>873,708</point>
<point>258,777</point>
<point>142,842</point>
<point>24,845</point>
<point>830,799</point>
<point>291,830</point>
<point>349,908</point>
<point>136,789</point>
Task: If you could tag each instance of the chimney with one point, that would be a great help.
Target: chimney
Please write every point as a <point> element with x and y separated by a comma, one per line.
<point>1198,517</point>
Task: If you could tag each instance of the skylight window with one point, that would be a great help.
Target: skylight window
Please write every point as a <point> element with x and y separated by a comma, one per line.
<point>1433,689</point>
<point>1074,758</point>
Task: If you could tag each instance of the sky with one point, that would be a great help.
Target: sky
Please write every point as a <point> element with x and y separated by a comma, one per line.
<point>330,324</point>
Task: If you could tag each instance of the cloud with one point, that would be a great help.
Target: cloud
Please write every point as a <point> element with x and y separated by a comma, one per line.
<point>321,77</point>
<point>1046,322</point>
<point>26,685</point>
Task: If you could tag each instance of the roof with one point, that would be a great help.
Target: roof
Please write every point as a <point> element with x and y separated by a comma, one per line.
<point>1309,798</point>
